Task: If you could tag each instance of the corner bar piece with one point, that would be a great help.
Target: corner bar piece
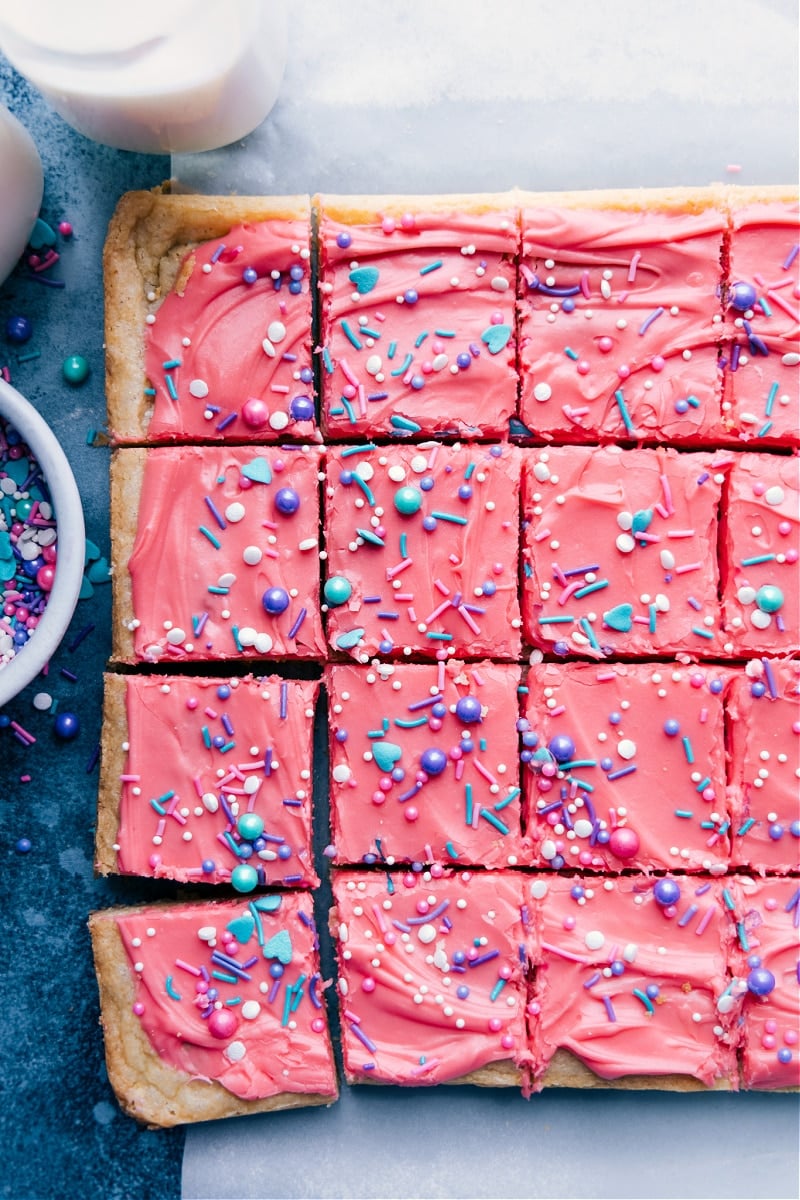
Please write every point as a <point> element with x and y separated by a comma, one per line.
<point>213,1010</point>
<point>208,319</point>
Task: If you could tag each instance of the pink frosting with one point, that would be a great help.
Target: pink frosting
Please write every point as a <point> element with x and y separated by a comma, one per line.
<point>648,740</point>
<point>762,522</point>
<point>763,254</point>
<point>174,563</point>
<point>245,374</point>
<point>768,916</point>
<point>275,1038</point>
<point>603,945</point>
<point>384,803</point>
<point>418,324</point>
<point>582,509</point>
<point>764,720</point>
<point>627,302</point>
<point>203,752</point>
<point>760,391</point>
<point>431,983</point>
<point>451,578</point>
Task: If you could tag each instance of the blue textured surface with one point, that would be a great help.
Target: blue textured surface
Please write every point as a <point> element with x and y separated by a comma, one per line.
<point>61,1130</point>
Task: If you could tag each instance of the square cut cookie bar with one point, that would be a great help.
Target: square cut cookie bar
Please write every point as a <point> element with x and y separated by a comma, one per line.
<point>619,551</point>
<point>620,315</point>
<point>431,977</point>
<point>759,555</point>
<point>422,551</point>
<point>207,780</point>
<point>208,319</point>
<point>424,763</point>
<point>762,294</point>
<point>763,711</point>
<point>765,992</point>
<point>624,766</point>
<point>417,300</point>
<point>213,1010</point>
<point>215,553</point>
<point>628,978</point>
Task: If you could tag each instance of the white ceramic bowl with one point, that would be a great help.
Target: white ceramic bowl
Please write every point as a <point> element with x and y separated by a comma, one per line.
<point>40,647</point>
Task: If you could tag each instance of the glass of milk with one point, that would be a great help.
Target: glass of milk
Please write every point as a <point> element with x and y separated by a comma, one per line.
<point>158,76</point>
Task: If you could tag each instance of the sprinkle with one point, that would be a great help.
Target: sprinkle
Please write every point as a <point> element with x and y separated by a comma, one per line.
<point>623,411</point>
<point>609,1008</point>
<point>648,321</point>
<point>645,999</point>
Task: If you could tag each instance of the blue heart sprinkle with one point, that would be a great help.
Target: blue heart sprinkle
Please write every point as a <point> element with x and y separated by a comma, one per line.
<point>92,551</point>
<point>87,591</point>
<point>267,903</point>
<point>496,337</point>
<point>259,471</point>
<point>279,946</point>
<point>347,641</point>
<point>619,618</point>
<point>242,927</point>
<point>41,235</point>
<point>641,520</point>
<point>364,279</point>
<point>386,755</point>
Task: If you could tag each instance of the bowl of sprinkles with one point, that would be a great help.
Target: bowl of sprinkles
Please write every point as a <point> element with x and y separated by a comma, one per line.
<point>42,543</point>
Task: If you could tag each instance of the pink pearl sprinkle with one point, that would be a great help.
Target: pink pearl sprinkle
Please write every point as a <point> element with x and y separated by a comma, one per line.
<point>410,812</point>
<point>385,783</point>
<point>771,904</point>
<point>790,1037</point>
<point>495,1024</point>
<point>657,363</point>
<point>497,568</point>
<point>507,1042</point>
<point>423,907</point>
<point>279,465</point>
<point>254,413</point>
<point>623,371</point>
<point>670,911</point>
<point>368,984</point>
<point>388,225</point>
<point>138,1008</point>
<point>791,556</point>
<point>604,345</point>
<point>569,922</point>
<point>534,1008</point>
<point>435,724</point>
<point>427,368</point>
<point>437,871</point>
<point>759,488</point>
<point>191,703</point>
<point>408,221</point>
<point>771,1025</point>
<point>348,391</point>
<point>768,1042</point>
<point>505,971</point>
<point>456,753</point>
<point>378,798</point>
<point>408,880</point>
<point>496,318</point>
<point>154,861</point>
<point>585,857</point>
<point>318,1025</point>
<point>784,528</point>
<point>583,367</point>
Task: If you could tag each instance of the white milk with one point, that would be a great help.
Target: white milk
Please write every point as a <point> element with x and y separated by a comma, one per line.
<point>20,189</point>
<point>157,76</point>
